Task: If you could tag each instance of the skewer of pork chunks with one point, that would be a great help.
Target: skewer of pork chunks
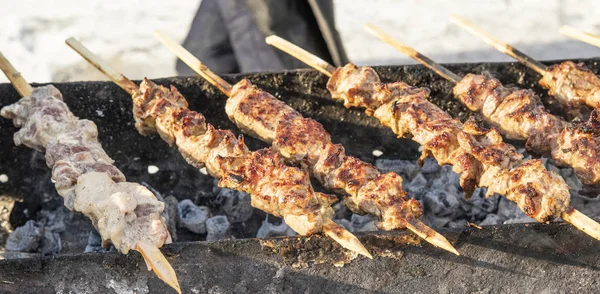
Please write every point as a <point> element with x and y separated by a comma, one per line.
<point>274,187</point>
<point>580,35</point>
<point>573,85</point>
<point>125,214</point>
<point>477,153</point>
<point>304,141</point>
<point>520,115</point>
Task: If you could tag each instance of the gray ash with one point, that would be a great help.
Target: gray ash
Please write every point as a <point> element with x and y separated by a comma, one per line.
<point>227,214</point>
<point>42,235</point>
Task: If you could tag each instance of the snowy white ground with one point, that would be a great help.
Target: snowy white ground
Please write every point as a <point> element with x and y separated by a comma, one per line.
<point>32,32</point>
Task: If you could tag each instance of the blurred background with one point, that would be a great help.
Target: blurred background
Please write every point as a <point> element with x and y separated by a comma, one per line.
<point>32,32</point>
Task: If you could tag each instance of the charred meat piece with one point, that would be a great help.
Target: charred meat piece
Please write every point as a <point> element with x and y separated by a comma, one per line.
<point>572,84</point>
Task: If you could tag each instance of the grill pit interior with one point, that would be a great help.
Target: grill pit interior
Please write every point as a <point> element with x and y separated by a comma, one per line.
<point>196,206</point>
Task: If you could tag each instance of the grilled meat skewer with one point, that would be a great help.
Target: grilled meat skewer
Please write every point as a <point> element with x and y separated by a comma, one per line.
<point>520,115</point>
<point>573,85</point>
<point>274,187</point>
<point>305,141</point>
<point>478,153</point>
<point>125,214</point>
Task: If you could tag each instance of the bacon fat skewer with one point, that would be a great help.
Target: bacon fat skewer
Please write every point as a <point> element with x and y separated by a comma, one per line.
<point>520,115</point>
<point>274,187</point>
<point>126,214</point>
<point>573,85</point>
<point>305,141</point>
<point>479,154</point>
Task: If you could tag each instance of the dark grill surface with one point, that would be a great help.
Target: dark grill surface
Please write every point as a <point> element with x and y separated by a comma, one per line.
<point>552,260</point>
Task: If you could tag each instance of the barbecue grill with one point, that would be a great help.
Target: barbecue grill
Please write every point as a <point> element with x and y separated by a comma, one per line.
<point>506,258</point>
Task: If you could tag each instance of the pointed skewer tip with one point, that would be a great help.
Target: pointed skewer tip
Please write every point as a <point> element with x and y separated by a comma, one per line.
<point>156,261</point>
<point>430,235</point>
<point>345,238</point>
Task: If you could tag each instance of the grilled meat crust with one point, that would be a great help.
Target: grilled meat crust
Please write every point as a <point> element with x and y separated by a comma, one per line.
<point>275,188</point>
<point>83,174</point>
<point>305,141</point>
<point>477,153</point>
<point>521,115</point>
<point>572,84</point>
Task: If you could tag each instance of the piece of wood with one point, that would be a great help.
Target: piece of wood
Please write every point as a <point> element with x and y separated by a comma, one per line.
<point>157,262</point>
<point>414,54</point>
<point>194,63</point>
<point>345,238</point>
<point>582,222</point>
<point>15,77</point>
<point>301,54</point>
<point>501,46</point>
<point>580,35</point>
<point>428,234</point>
<point>102,66</point>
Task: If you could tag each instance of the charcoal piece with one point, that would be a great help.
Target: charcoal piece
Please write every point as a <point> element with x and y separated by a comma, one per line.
<point>363,223</point>
<point>430,166</point>
<point>217,228</point>
<point>235,205</point>
<point>172,216</point>
<point>193,217</point>
<point>346,224</point>
<point>417,185</point>
<point>95,243</point>
<point>405,168</point>
<point>268,229</point>
<point>51,243</point>
<point>509,210</point>
<point>520,220</point>
<point>26,238</point>
<point>491,219</point>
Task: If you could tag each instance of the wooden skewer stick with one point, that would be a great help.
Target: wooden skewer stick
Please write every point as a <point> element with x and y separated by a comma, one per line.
<point>582,222</point>
<point>301,54</point>
<point>153,257</point>
<point>501,46</point>
<point>194,63</point>
<point>157,262</point>
<point>119,79</point>
<point>331,229</point>
<point>572,215</point>
<point>347,240</point>
<point>414,54</point>
<point>580,35</point>
<point>15,77</point>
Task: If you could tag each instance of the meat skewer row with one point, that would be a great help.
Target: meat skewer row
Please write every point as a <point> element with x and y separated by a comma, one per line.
<point>274,187</point>
<point>304,141</point>
<point>580,35</point>
<point>126,214</point>
<point>477,153</point>
<point>573,85</point>
<point>519,114</point>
